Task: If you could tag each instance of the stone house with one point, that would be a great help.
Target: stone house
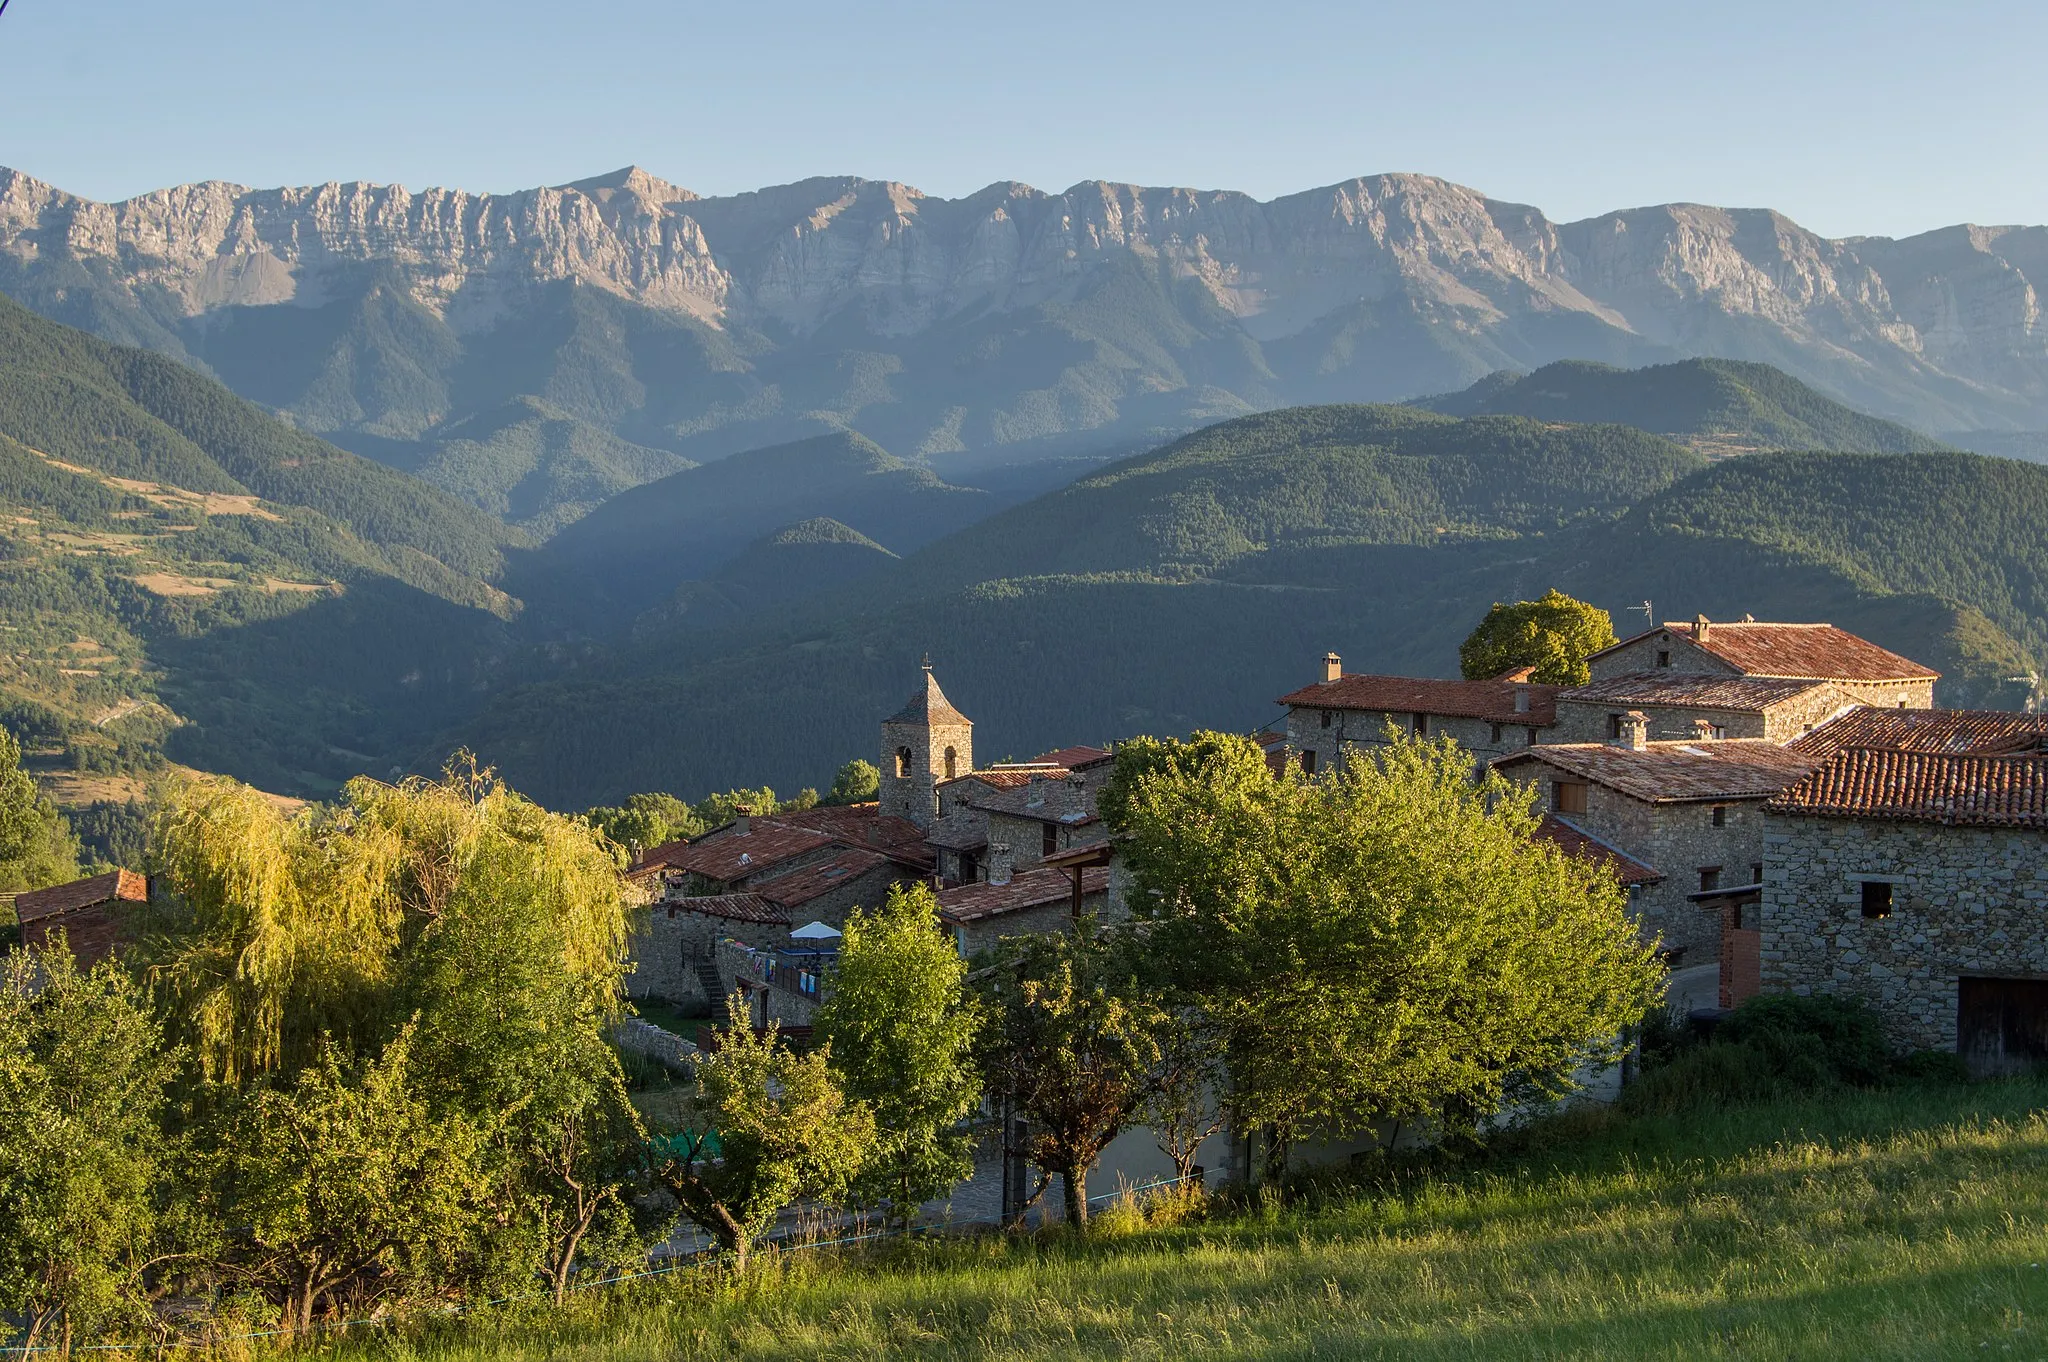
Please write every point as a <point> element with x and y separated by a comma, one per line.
<point>674,943</point>
<point>1683,706</point>
<point>1026,903</point>
<point>1345,711</point>
<point>1918,881</point>
<point>1981,731</point>
<point>1864,673</point>
<point>1690,814</point>
<point>95,915</point>
<point>828,891</point>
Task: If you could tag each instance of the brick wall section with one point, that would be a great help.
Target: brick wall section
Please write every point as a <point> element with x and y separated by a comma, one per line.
<point>1741,960</point>
<point>1965,901</point>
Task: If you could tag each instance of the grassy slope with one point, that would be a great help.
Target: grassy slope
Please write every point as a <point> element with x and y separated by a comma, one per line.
<point>1904,1224</point>
<point>1725,405</point>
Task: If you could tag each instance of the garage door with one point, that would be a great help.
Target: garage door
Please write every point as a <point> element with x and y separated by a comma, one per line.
<point>2002,1024</point>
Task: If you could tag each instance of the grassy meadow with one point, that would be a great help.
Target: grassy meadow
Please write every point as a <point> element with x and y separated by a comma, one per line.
<point>1910,1222</point>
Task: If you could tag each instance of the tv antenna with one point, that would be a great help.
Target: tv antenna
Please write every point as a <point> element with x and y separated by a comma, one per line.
<point>1649,614</point>
<point>2035,694</point>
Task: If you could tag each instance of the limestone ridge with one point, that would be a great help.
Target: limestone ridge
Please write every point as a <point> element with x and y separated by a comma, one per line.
<point>1943,329</point>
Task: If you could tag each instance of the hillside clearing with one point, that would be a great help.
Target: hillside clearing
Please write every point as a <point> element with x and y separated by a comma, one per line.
<point>1909,1223</point>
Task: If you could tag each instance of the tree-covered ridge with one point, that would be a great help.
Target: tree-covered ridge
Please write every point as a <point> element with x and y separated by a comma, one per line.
<point>1369,474</point>
<point>1719,405</point>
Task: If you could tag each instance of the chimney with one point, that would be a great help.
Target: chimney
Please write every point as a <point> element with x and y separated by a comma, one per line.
<point>998,862</point>
<point>1521,699</point>
<point>1700,624</point>
<point>1703,729</point>
<point>1635,731</point>
<point>1034,793</point>
<point>743,822</point>
<point>1333,668</point>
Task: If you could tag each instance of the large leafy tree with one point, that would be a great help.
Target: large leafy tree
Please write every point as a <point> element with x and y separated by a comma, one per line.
<point>81,1085</point>
<point>858,782</point>
<point>1073,1040</point>
<point>764,1128</point>
<point>37,847</point>
<point>1555,635</point>
<point>901,1027</point>
<point>1387,943</point>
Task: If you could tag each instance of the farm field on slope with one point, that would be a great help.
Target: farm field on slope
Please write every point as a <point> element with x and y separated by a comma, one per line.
<point>1911,1223</point>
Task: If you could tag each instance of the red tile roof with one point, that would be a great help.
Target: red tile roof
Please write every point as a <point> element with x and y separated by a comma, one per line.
<point>730,907</point>
<point>731,854</point>
<point>659,858</point>
<point>1926,730</point>
<point>1074,758</point>
<point>800,886</point>
<point>1027,889</point>
<point>1693,690</point>
<point>1924,787</point>
<point>1818,651</point>
<point>1573,840</point>
<point>115,885</point>
<point>861,825</point>
<point>1672,772</point>
<point>1009,777</point>
<point>1494,700</point>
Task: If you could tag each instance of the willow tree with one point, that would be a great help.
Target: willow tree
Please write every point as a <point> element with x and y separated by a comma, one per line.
<point>1386,943</point>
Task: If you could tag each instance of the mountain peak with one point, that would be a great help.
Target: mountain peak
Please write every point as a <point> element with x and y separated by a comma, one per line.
<point>633,180</point>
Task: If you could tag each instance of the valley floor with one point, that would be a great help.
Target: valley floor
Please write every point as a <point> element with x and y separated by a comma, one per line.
<point>1909,1223</point>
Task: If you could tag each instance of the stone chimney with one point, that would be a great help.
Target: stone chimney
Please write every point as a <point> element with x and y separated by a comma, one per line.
<point>1703,729</point>
<point>1034,793</point>
<point>1635,731</point>
<point>743,823</point>
<point>1333,668</point>
<point>1700,625</point>
<point>1521,699</point>
<point>999,862</point>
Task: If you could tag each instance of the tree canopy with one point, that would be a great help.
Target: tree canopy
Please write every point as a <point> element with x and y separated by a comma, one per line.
<point>1554,635</point>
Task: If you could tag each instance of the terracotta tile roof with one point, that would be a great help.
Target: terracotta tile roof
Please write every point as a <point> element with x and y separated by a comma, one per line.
<point>123,885</point>
<point>861,825</point>
<point>730,854</point>
<point>659,858</point>
<point>1926,730</point>
<point>1074,758</point>
<point>1494,700</point>
<point>730,907</point>
<point>1692,689</point>
<point>1671,772</point>
<point>1027,889</point>
<point>1819,651</point>
<point>1009,777</point>
<point>1573,840</point>
<point>1924,787</point>
<point>928,705</point>
<point>800,886</point>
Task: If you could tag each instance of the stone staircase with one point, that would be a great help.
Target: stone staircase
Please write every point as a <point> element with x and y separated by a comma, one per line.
<point>714,987</point>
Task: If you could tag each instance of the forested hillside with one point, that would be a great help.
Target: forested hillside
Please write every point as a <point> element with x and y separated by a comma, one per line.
<point>182,575</point>
<point>1720,406</point>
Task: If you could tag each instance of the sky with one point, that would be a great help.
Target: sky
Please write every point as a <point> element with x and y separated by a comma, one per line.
<point>1852,119</point>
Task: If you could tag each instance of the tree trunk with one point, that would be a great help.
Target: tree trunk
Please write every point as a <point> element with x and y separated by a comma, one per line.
<point>1074,1186</point>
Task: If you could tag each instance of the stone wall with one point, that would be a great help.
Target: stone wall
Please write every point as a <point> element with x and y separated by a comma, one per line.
<point>1587,721</point>
<point>866,890</point>
<point>1965,901</point>
<point>1349,730</point>
<point>972,938</point>
<point>1641,656</point>
<point>1026,838</point>
<point>667,940</point>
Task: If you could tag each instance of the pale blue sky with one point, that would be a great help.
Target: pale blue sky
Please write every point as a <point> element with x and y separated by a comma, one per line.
<point>1852,118</point>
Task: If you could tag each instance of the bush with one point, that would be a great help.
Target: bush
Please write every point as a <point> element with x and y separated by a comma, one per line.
<point>1769,1047</point>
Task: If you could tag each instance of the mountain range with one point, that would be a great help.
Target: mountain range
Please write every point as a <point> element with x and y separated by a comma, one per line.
<point>535,352</point>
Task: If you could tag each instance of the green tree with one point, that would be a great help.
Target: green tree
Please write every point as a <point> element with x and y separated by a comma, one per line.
<point>1386,944</point>
<point>36,844</point>
<point>82,1073</point>
<point>1072,1039</point>
<point>717,810</point>
<point>765,1128</point>
<point>646,821</point>
<point>1554,635</point>
<point>901,1029</point>
<point>857,782</point>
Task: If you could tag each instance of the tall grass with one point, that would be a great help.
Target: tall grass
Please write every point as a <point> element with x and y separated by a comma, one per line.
<point>1902,1223</point>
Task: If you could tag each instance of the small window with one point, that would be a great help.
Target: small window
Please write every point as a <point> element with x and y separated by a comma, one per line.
<point>1528,737</point>
<point>1735,917</point>
<point>970,871</point>
<point>1326,718</point>
<point>1710,878</point>
<point>1613,726</point>
<point>1663,659</point>
<point>952,758</point>
<point>1756,872</point>
<point>902,763</point>
<point>1494,737</point>
<point>1308,762</point>
<point>1877,898</point>
<point>1422,725</point>
<point>1568,796</point>
<point>1720,815</point>
<point>1049,839</point>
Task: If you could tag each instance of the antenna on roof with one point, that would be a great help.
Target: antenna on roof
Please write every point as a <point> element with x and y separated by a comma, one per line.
<point>927,660</point>
<point>1649,613</point>
<point>2035,693</point>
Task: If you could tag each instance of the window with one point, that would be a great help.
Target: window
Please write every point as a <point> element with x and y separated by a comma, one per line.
<point>1422,725</point>
<point>1756,872</point>
<point>1049,839</point>
<point>1735,916</point>
<point>1613,727</point>
<point>1710,878</point>
<point>1663,659</point>
<point>1720,815</point>
<point>951,758</point>
<point>1528,737</point>
<point>969,870</point>
<point>1326,718</point>
<point>1308,762</point>
<point>902,763</point>
<point>1494,738</point>
<point>1877,898</point>
<point>1568,796</point>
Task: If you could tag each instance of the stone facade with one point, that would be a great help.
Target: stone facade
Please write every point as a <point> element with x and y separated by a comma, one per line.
<point>1331,734</point>
<point>923,744</point>
<point>862,888</point>
<point>670,939</point>
<point>1818,652</point>
<point>1964,901</point>
<point>1593,720</point>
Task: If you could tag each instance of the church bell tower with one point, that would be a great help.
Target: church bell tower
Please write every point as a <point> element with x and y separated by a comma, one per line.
<point>923,743</point>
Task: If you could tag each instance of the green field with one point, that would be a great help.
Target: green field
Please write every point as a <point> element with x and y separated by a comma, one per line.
<point>1910,1223</point>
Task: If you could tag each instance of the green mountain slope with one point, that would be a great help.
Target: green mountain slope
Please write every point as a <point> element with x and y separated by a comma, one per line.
<point>182,575</point>
<point>812,558</point>
<point>1717,405</point>
<point>1247,553</point>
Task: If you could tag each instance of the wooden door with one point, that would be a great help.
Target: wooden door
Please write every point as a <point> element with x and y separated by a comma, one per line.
<point>2002,1024</point>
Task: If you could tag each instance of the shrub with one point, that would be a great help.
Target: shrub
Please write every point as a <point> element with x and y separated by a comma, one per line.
<point>1769,1047</point>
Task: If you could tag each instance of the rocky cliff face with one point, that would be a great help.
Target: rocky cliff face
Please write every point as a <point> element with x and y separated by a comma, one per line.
<point>860,303</point>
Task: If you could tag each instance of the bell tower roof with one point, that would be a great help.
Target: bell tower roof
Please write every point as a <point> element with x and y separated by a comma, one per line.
<point>929,705</point>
